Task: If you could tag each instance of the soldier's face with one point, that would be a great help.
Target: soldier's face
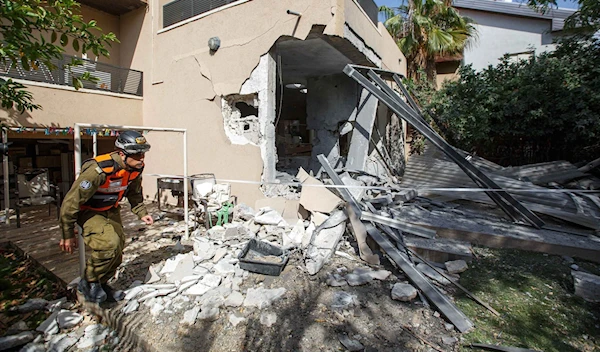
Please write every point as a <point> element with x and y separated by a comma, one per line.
<point>135,161</point>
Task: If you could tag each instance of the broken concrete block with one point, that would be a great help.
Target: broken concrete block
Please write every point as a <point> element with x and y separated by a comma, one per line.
<point>314,197</point>
<point>380,274</point>
<point>243,212</point>
<point>456,266</point>
<point>151,276</point>
<point>268,318</point>
<point>12,341</point>
<point>197,290</point>
<point>235,299</point>
<point>171,264</point>
<point>61,343</point>
<point>67,319</point>
<point>336,280</point>
<point>432,274</point>
<point>342,300</point>
<point>324,242</point>
<point>17,328</point>
<point>350,344</point>
<point>449,340</point>
<point>33,347</point>
<point>358,279</point>
<point>32,304</point>
<point>130,307</point>
<point>268,216</point>
<point>209,314</point>
<point>223,267</point>
<point>262,297</point>
<point>156,309</point>
<point>184,268</point>
<point>587,286</point>
<point>189,316</point>
<point>354,187</point>
<point>403,292</point>
<point>49,326</point>
<point>235,320</point>
<point>211,280</point>
<point>216,233</point>
<point>56,305</point>
<point>219,254</point>
<point>294,238</point>
<point>94,334</point>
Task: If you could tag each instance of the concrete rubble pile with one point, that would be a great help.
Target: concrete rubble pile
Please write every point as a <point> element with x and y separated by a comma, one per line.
<point>64,330</point>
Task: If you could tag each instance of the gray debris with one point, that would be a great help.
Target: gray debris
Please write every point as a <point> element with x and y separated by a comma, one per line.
<point>133,292</point>
<point>223,267</point>
<point>336,280</point>
<point>587,286</point>
<point>50,325</point>
<point>235,320</point>
<point>449,340</point>
<point>32,304</point>
<point>156,309</point>
<point>235,299</point>
<point>13,341</point>
<point>243,212</point>
<point>350,344</point>
<point>342,300</point>
<point>67,319</point>
<point>184,268</point>
<point>152,276</point>
<point>380,274</point>
<point>456,266</point>
<point>17,328</point>
<point>405,195</point>
<point>209,313</point>
<point>268,318</point>
<point>56,305</point>
<point>204,250</point>
<point>268,216</point>
<point>130,307</point>
<point>216,233</point>
<point>262,297</point>
<point>403,292</point>
<point>324,241</point>
<point>33,347</point>
<point>568,260</point>
<point>94,335</point>
<point>189,316</point>
<point>61,343</point>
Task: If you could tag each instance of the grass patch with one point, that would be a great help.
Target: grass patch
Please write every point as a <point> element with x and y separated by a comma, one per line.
<point>22,279</point>
<point>533,292</point>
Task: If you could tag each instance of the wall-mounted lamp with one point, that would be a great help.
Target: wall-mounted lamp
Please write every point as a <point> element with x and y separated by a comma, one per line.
<point>214,43</point>
<point>290,12</point>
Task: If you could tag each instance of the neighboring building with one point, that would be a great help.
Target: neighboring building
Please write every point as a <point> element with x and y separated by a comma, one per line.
<point>504,28</point>
<point>267,101</point>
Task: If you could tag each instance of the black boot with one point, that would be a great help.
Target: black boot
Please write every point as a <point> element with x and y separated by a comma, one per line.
<point>92,291</point>
<point>112,294</point>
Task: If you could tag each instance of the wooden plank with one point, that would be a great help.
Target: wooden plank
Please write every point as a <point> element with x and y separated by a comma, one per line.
<point>441,302</point>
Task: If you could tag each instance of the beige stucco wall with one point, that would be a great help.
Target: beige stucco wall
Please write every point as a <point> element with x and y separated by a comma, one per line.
<point>63,107</point>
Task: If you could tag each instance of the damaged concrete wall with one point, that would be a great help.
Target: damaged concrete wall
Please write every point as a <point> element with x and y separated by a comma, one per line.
<point>331,101</point>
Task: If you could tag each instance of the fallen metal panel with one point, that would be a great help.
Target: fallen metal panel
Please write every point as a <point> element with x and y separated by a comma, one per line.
<point>441,302</point>
<point>415,230</point>
<point>501,348</point>
<point>387,96</point>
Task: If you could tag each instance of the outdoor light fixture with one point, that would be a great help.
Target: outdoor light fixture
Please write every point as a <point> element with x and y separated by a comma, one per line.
<point>290,12</point>
<point>214,43</point>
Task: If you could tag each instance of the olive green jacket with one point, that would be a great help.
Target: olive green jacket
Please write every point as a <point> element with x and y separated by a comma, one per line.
<point>94,177</point>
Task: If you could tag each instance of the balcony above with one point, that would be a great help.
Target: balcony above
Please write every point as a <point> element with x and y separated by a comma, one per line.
<point>110,78</point>
<point>115,7</point>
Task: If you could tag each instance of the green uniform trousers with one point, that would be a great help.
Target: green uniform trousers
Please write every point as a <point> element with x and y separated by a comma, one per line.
<point>103,234</point>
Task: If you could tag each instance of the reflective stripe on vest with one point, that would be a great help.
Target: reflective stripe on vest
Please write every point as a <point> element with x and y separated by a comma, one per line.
<point>110,193</point>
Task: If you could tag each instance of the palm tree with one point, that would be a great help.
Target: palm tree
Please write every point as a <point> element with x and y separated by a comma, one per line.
<point>426,29</point>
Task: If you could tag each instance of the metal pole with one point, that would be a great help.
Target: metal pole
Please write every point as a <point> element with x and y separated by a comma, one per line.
<point>6,179</point>
<point>185,187</point>
<point>81,244</point>
<point>95,144</point>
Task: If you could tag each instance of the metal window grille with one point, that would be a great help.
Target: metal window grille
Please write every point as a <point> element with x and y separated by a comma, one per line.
<point>179,10</point>
<point>111,78</point>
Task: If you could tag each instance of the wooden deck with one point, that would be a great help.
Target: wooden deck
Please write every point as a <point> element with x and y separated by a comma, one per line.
<point>40,235</point>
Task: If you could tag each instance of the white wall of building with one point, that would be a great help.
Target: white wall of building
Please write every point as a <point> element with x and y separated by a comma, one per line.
<point>500,34</point>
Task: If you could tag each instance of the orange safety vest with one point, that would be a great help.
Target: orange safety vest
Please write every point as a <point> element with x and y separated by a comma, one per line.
<point>110,193</point>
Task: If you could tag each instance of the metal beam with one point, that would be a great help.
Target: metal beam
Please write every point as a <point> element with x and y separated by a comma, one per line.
<point>413,229</point>
<point>385,94</point>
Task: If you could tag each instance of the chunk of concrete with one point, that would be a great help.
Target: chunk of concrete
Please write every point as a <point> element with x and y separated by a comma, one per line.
<point>403,292</point>
<point>94,335</point>
<point>294,238</point>
<point>216,233</point>
<point>350,344</point>
<point>324,242</point>
<point>33,347</point>
<point>314,197</point>
<point>336,280</point>
<point>209,313</point>
<point>12,341</point>
<point>189,316</point>
<point>262,297</point>
<point>358,279</point>
<point>405,195</point>
<point>268,216</point>
<point>235,319</point>
<point>171,264</point>
<point>342,300</point>
<point>380,274</point>
<point>211,280</point>
<point>219,254</point>
<point>61,343</point>
<point>50,325</point>
<point>235,299</point>
<point>268,318</point>
<point>456,266</point>
<point>185,267</point>
<point>130,307</point>
<point>151,276</point>
<point>204,250</point>
<point>67,319</point>
<point>32,305</point>
<point>197,290</point>
<point>587,286</point>
<point>56,305</point>
<point>243,212</point>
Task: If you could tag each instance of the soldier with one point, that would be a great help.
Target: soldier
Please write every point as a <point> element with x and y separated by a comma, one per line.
<point>93,202</point>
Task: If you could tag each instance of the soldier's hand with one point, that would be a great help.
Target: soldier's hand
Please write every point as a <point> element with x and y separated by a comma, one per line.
<point>148,220</point>
<point>68,245</point>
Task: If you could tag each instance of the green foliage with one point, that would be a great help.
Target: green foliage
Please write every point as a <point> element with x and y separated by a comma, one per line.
<point>34,32</point>
<point>425,29</point>
<point>548,104</point>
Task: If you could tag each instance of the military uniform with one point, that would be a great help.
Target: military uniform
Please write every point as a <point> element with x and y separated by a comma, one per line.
<point>91,204</point>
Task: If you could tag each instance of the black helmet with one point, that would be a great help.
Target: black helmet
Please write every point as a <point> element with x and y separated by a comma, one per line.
<point>132,142</point>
